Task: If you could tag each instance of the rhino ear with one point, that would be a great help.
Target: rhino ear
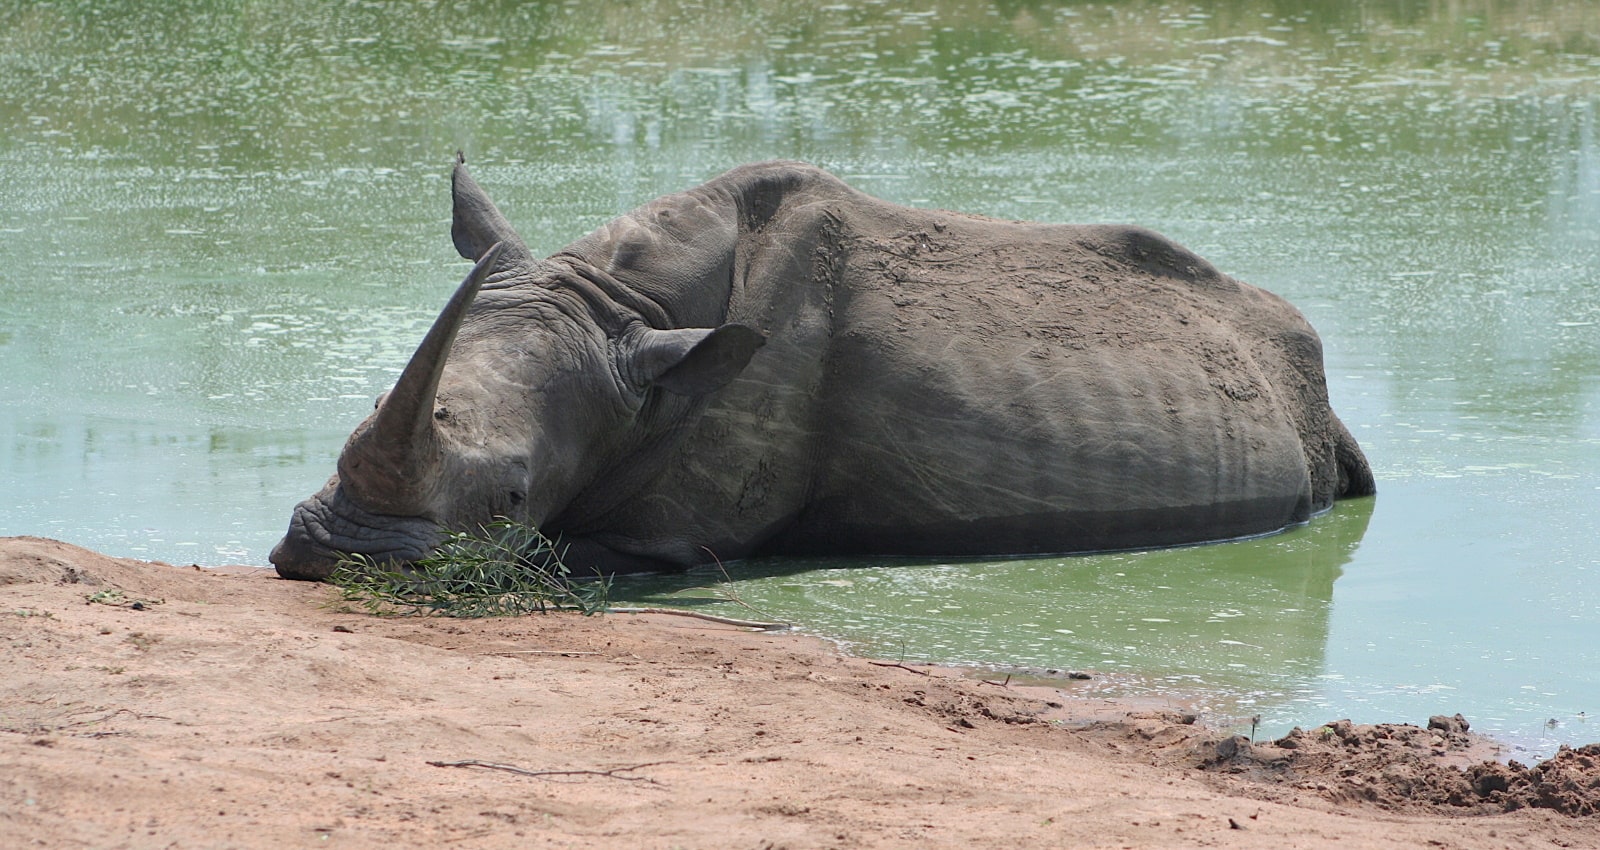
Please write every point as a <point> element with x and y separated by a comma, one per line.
<point>476,223</point>
<point>691,361</point>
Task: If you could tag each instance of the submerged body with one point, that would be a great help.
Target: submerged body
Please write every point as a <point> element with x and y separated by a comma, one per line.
<point>775,363</point>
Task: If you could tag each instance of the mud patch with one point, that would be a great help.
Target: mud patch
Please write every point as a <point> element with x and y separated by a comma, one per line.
<point>1395,766</point>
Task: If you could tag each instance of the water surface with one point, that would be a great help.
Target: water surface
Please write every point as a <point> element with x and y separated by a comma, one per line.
<point>224,225</point>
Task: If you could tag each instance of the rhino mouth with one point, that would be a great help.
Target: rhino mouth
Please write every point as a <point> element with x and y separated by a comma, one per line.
<point>328,528</point>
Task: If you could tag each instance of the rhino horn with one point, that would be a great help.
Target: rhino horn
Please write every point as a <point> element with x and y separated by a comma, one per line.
<point>387,463</point>
<point>476,223</point>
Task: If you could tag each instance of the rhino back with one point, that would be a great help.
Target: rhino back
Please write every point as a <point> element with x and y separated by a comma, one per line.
<point>992,386</point>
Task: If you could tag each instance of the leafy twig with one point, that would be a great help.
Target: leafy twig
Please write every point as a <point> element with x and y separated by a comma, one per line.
<point>508,568</point>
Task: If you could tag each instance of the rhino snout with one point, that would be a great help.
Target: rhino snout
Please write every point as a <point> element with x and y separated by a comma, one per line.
<point>327,529</point>
<point>296,557</point>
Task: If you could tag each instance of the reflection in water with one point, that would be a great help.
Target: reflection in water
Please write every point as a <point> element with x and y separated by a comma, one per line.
<point>1246,622</point>
<point>140,489</point>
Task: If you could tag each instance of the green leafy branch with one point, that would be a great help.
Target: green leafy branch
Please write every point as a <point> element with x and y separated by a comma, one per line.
<point>506,569</point>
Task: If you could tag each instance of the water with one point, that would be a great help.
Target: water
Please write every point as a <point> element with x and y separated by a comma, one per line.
<point>223,226</point>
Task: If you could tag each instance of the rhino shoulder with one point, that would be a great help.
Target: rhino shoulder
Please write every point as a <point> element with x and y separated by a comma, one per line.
<point>763,191</point>
<point>1158,255</point>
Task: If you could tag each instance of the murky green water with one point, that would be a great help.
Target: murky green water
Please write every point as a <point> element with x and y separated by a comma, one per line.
<point>223,226</point>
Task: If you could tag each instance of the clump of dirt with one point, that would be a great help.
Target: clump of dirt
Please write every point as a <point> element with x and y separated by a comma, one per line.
<point>1401,766</point>
<point>961,708</point>
<point>1568,782</point>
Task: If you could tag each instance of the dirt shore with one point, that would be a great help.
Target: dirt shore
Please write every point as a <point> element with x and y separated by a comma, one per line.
<point>144,705</point>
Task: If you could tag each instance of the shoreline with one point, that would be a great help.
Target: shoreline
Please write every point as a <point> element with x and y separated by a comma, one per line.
<point>1145,693</point>
<point>1500,745</point>
<point>149,705</point>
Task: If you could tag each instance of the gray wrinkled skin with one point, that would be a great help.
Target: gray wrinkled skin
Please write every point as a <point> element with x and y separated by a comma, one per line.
<point>775,363</point>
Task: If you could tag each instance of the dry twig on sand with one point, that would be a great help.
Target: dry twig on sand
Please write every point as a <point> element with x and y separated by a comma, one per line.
<point>897,665</point>
<point>713,618</point>
<point>613,773</point>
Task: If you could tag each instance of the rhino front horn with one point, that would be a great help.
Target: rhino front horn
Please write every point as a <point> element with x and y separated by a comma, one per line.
<point>387,462</point>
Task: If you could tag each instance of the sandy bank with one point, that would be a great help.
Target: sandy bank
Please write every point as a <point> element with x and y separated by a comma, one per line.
<point>143,705</point>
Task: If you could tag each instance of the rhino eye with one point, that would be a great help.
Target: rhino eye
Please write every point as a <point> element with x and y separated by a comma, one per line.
<point>516,497</point>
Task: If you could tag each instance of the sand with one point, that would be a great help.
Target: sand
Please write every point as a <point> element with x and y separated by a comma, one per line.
<point>146,705</point>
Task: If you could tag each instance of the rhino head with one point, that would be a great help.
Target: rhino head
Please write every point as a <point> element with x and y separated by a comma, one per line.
<point>538,378</point>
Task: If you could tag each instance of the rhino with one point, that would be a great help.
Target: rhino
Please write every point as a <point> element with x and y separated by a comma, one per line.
<point>775,363</point>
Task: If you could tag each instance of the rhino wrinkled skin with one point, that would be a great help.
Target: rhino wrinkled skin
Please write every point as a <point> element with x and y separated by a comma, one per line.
<point>776,363</point>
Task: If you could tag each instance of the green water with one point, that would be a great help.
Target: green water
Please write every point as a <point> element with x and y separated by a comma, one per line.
<point>223,226</point>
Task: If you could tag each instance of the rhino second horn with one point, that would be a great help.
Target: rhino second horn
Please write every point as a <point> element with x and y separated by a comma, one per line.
<point>385,463</point>
<point>476,223</point>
